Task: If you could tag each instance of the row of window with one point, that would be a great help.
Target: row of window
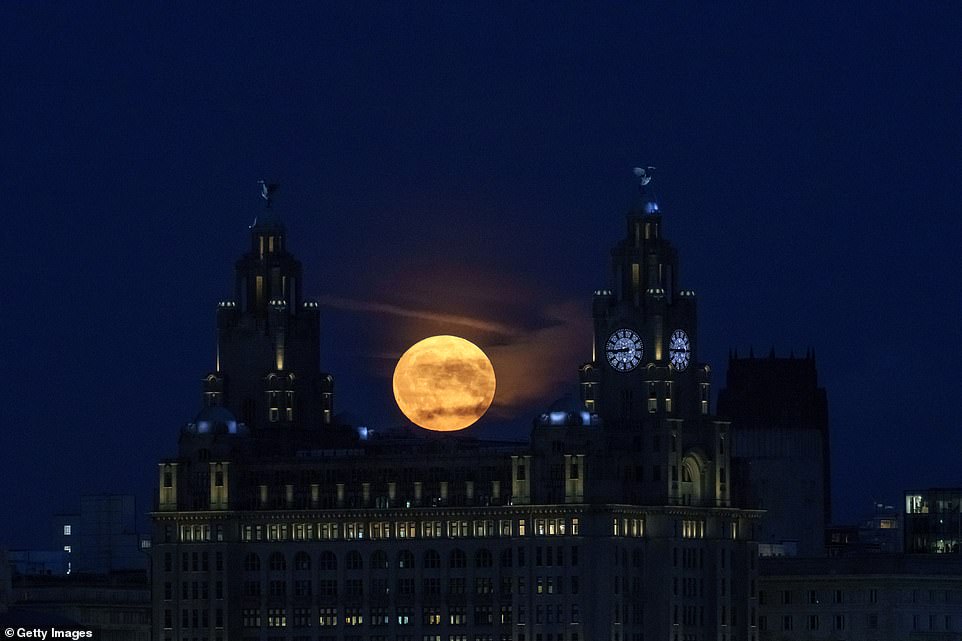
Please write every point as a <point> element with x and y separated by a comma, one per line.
<point>403,616</point>
<point>813,622</point>
<point>379,560</point>
<point>507,585</point>
<point>194,562</point>
<point>377,530</point>
<point>817,597</point>
<point>835,596</point>
<point>930,623</point>
<point>353,530</point>
<point>548,555</point>
<point>504,636</point>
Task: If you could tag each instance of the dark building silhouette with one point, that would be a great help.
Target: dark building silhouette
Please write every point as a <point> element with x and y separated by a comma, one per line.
<point>115,606</point>
<point>779,418</point>
<point>102,537</point>
<point>268,341</point>
<point>880,532</point>
<point>617,521</point>
<point>873,597</point>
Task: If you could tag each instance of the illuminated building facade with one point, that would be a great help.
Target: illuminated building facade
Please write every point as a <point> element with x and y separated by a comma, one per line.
<point>618,521</point>
<point>933,521</point>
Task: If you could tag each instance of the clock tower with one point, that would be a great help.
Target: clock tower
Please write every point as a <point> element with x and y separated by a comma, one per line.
<point>645,347</point>
<point>267,370</point>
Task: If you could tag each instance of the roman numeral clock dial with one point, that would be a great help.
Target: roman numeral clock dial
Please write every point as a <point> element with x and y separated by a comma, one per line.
<point>624,350</point>
<point>679,350</point>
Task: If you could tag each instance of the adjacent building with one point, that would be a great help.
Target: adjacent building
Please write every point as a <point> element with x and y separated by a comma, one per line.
<point>114,606</point>
<point>6,584</point>
<point>619,520</point>
<point>102,537</point>
<point>877,597</point>
<point>879,532</point>
<point>779,416</point>
<point>933,521</point>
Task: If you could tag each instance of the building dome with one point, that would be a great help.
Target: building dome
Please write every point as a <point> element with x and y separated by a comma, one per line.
<point>215,419</point>
<point>645,204</point>
<point>567,411</point>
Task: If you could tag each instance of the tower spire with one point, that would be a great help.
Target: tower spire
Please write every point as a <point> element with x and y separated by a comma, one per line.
<point>645,203</point>
<point>269,219</point>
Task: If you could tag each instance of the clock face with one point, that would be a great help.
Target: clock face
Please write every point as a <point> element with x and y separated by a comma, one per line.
<point>624,350</point>
<point>679,350</point>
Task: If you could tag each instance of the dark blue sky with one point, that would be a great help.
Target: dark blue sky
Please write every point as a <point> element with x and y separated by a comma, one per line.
<point>472,160</point>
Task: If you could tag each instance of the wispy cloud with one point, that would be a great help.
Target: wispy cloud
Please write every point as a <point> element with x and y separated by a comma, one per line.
<point>535,354</point>
<point>533,366</point>
<point>422,314</point>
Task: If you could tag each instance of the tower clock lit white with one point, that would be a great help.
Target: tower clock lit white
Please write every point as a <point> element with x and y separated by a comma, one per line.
<point>624,350</point>
<point>679,350</point>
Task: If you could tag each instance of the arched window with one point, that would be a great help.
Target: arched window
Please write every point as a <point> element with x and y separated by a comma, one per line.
<point>277,562</point>
<point>691,480</point>
<point>483,559</point>
<point>328,560</point>
<point>405,559</point>
<point>458,559</point>
<point>252,562</point>
<point>506,560</point>
<point>432,559</point>
<point>354,560</point>
<point>379,560</point>
<point>302,561</point>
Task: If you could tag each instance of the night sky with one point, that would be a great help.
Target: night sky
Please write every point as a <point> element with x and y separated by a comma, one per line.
<point>465,168</point>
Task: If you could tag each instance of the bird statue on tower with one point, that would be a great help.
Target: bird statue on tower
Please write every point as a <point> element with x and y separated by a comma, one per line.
<point>644,175</point>
<point>268,190</point>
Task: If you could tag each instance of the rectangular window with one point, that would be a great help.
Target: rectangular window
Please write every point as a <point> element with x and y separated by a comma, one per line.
<point>251,617</point>
<point>353,616</point>
<point>277,618</point>
<point>328,617</point>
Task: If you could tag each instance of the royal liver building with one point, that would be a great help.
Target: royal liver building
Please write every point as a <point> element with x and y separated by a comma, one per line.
<point>618,521</point>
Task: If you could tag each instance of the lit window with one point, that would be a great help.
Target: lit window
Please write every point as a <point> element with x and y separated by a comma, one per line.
<point>67,549</point>
<point>66,530</point>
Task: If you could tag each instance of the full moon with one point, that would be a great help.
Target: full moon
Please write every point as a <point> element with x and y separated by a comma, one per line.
<point>444,383</point>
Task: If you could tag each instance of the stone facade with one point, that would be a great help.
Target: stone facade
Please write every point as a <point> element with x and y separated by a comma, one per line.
<point>878,597</point>
<point>617,521</point>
